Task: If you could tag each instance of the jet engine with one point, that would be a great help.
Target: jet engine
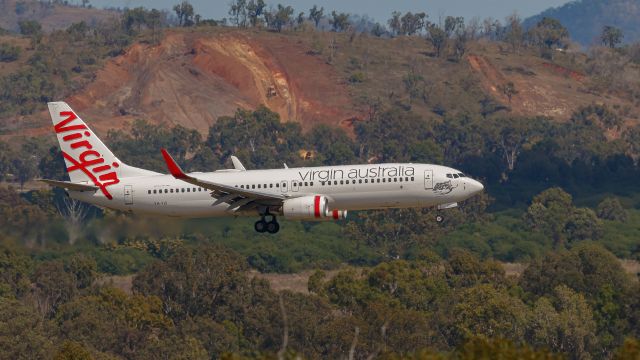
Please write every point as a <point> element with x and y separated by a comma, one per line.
<point>311,208</point>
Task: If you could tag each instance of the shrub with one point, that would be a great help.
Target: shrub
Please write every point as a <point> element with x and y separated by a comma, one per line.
<point>9,53</point>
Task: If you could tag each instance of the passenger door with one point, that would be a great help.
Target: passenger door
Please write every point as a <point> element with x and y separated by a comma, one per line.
<point>128,195</point>
<point>284,186</point>
<point>428,179</point>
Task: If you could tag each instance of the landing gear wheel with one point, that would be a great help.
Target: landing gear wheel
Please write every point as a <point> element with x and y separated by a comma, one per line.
<point>439,219</point>
<point>273,227</point>
<point>260,226</point>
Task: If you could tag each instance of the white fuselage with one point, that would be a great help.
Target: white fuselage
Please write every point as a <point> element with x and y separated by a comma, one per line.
<point>350,187</point>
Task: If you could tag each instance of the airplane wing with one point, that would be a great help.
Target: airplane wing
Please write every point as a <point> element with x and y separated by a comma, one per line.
<point>238,198</point>
<point>69,185</point>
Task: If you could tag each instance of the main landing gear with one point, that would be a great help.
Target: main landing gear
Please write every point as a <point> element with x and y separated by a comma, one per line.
<point>263,225</point>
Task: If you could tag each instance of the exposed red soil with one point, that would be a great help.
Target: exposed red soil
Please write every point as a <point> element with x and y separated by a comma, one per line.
<point>192,78</point>
<point>543,89</point>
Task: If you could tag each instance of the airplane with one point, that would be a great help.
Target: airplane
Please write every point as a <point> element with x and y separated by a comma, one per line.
<point>323,193</point>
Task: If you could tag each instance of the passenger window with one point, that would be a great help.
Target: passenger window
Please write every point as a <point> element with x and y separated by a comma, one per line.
<point>395,179</point>
<point>253,186</point>
<point>188,189</point>
<point>335,182</point>
<point>384,180</point>
<point>400,179</point>
<point>183,190</point>
<point>270,186</point>
<point>311,183</point>
<point>366,181</point>
<point>265,186</point>
<point>413,178</point>
<point>341,182</point>
<point>378,181</point>
<point>171,191</point>
<point>277,185</point>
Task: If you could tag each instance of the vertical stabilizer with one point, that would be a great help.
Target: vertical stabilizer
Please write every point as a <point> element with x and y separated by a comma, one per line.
<point>87,158</point>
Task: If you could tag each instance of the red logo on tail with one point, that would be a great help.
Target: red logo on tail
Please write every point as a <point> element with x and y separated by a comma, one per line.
<point>90,162</point>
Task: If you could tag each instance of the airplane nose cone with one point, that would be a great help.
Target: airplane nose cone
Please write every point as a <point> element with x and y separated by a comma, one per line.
<point>476,187</point>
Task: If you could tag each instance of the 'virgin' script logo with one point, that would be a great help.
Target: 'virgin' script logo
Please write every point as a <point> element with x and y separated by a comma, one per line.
<point>90,162</point>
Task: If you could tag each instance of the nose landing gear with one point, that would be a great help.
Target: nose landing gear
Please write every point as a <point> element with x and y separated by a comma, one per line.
<point>262,225</point>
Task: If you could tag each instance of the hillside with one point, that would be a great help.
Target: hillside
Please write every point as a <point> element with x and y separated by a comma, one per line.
<point>51,16</point>
<point>585,19</point>
<point>194,76</point>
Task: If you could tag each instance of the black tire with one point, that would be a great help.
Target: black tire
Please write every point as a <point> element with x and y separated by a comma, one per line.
<point>273,227</point>
<point>439,218</point>
<point>260,226</point>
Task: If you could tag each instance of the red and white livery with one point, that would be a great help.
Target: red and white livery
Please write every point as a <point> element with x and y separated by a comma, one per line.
<point>325,193</point>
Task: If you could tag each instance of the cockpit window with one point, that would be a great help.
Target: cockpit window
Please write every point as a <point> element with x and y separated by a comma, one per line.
<point>462,175</point>
<point>455,176</point>
<point>449,176</point>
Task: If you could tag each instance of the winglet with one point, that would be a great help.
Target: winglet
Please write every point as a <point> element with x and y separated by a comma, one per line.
<point>173,167</point>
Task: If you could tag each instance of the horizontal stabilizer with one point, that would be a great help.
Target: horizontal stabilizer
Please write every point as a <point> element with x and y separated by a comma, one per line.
<point>69,185</point>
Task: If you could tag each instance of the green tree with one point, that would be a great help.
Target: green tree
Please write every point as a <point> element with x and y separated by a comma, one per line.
<point>611,209</point>
<point>184,12</point>
<point>453,25</point>
<point>412,23</point>
<point>611,36</point>
<point>316,14</point>
<point>53,287</point>
<point>14,273</point>
<point>124,323</point>
<point>437,37</point>
<point>514,34</point>
<point>282,17</point>
<point>30,28</point>
<point>238,12</point>
<point>563,323</point>
<point>482,310</point>
<point>339,21</point>
<point>509,90</point>
<point>549,213</point>
<point>255,9</point>
<point>9,53</point>
<point>18,321</point>
<point>395,24</point>
<point>71,350</point>
<point>583,224</point>
<point>549,34</point>
<point>480,347</point>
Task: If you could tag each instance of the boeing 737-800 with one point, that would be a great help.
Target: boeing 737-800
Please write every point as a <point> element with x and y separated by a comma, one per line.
<point>312,194</point>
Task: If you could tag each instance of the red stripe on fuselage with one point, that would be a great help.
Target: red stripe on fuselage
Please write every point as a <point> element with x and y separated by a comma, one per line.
<point>336,214</point>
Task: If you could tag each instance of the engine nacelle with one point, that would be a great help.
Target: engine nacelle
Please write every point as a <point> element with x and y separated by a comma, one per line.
<point>306,208</point>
